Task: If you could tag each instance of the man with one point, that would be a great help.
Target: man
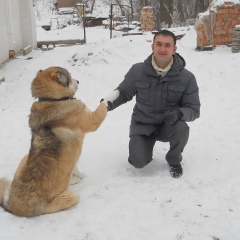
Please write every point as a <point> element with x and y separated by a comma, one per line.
<point>166,98</point>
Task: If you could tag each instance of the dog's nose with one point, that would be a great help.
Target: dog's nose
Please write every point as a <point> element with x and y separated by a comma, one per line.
<point>77,81</point>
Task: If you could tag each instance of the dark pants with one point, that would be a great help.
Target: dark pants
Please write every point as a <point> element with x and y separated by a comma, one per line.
<point>141,146</point>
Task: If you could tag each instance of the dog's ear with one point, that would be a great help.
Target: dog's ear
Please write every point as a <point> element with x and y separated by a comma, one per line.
<point>39,71</point>
<point>63,78</point>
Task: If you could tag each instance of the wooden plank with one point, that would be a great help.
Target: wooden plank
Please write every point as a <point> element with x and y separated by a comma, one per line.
<point>27,50</point>
<point>129,34</point>
<point>178,37</point>
<point>56,42</point>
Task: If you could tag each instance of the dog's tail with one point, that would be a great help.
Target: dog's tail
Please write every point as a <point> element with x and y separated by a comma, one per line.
<point>4,192</point>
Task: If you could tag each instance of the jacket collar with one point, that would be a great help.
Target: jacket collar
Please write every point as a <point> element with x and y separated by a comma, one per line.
<point>178,64</point>
<point>161,71</point>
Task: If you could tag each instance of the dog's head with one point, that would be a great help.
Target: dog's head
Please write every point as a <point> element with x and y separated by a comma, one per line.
<point>53,82</point>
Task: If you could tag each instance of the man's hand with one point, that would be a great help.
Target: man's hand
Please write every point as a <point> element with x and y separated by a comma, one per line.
<point>109,104</point>
<point>171,116</point>
<point>110,99</point>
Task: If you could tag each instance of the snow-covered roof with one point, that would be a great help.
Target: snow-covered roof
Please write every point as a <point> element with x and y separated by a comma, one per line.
<point>218,3</point>
<point>147,7</point>
<point>215,4</point>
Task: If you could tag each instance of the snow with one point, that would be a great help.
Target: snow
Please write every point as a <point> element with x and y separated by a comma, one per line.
<point>119,202</point>
<point>71,32</point>
<point>216,3</point>
<point>101,9</point>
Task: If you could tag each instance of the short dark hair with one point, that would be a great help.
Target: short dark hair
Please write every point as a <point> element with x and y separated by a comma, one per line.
<point>166,33</point>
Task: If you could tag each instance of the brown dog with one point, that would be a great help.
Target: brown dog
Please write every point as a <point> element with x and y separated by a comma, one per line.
<point>58,123</point>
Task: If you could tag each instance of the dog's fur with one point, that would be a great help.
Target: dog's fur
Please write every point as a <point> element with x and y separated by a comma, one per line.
<point>58,124</point>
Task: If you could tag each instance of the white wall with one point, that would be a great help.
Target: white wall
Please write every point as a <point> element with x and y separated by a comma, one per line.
<point>3,33</point>
<point>28,24</point>
<point>17,26</point>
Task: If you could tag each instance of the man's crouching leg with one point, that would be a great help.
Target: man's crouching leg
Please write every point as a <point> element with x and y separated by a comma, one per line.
<point>140,150</point>
<point>178,138</point>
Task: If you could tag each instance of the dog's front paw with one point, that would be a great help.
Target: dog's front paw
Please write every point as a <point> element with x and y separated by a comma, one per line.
<point>76,176</point>
<point>81,175</point>
<point>74,179</point>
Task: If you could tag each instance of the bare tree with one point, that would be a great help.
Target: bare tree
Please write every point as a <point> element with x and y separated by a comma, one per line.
<point>166,12</point>
<point>93,3</point>
<point>130,4</point>
<point>201,6</point>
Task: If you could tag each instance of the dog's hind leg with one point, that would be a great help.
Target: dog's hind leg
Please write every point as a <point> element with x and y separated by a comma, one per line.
<point>76,176</point>
<point>4,191</point>
<point>66,200</point>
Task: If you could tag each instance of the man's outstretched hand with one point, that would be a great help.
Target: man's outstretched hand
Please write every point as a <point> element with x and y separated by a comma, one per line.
<point>109,104</point>
<point>110,99</point>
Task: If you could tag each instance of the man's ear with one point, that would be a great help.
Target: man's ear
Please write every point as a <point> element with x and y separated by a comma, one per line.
<point>152,47</point>
<point>62,78</point>
<point>175,49</point>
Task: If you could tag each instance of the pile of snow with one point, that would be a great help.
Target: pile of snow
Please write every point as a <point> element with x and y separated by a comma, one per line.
<point>70,32</point>
<point>118,201</point>
<point>216,3</point>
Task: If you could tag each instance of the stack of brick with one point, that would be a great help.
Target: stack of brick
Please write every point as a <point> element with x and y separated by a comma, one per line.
<point>147,19</point>
<point>236,39</point>
<point>217,28</point>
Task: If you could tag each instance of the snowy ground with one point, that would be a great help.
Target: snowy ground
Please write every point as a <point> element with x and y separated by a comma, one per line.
<point>119,202</point>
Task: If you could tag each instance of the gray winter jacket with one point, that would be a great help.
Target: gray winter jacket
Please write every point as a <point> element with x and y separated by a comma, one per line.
<point>155,95</point>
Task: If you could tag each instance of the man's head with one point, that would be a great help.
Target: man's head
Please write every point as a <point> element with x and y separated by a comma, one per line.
<point>163,47</point>
<point>166,33</point>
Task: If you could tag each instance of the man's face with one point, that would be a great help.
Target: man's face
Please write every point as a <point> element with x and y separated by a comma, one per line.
<point>163,48</point>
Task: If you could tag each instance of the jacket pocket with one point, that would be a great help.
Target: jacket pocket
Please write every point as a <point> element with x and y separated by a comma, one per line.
<point>175,93</point>
<point>143,90</point>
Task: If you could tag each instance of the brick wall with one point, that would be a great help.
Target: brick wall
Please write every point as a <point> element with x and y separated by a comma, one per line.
<point>217,28</point>
<point>147,19</point>
<point>67,3</point>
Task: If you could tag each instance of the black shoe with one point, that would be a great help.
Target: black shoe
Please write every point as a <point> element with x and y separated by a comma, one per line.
<point>176,171</point>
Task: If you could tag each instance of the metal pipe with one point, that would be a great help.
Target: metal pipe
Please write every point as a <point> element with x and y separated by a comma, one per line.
<point>84,24</point>
<point>10,26</point>
<point>111,21</point>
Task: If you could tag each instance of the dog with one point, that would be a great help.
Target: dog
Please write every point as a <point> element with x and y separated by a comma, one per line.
<point>58,124</point>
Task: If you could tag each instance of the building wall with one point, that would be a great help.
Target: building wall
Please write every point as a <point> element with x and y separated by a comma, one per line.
<point>226,17</point>
<point>3,33</point>
<point>17,26</point>
<point>28,24</point>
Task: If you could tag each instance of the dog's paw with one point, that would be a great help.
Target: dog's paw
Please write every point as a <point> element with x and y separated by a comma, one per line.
<point>81,175</point>
<point>74,179</point>
<point>77,177</point>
